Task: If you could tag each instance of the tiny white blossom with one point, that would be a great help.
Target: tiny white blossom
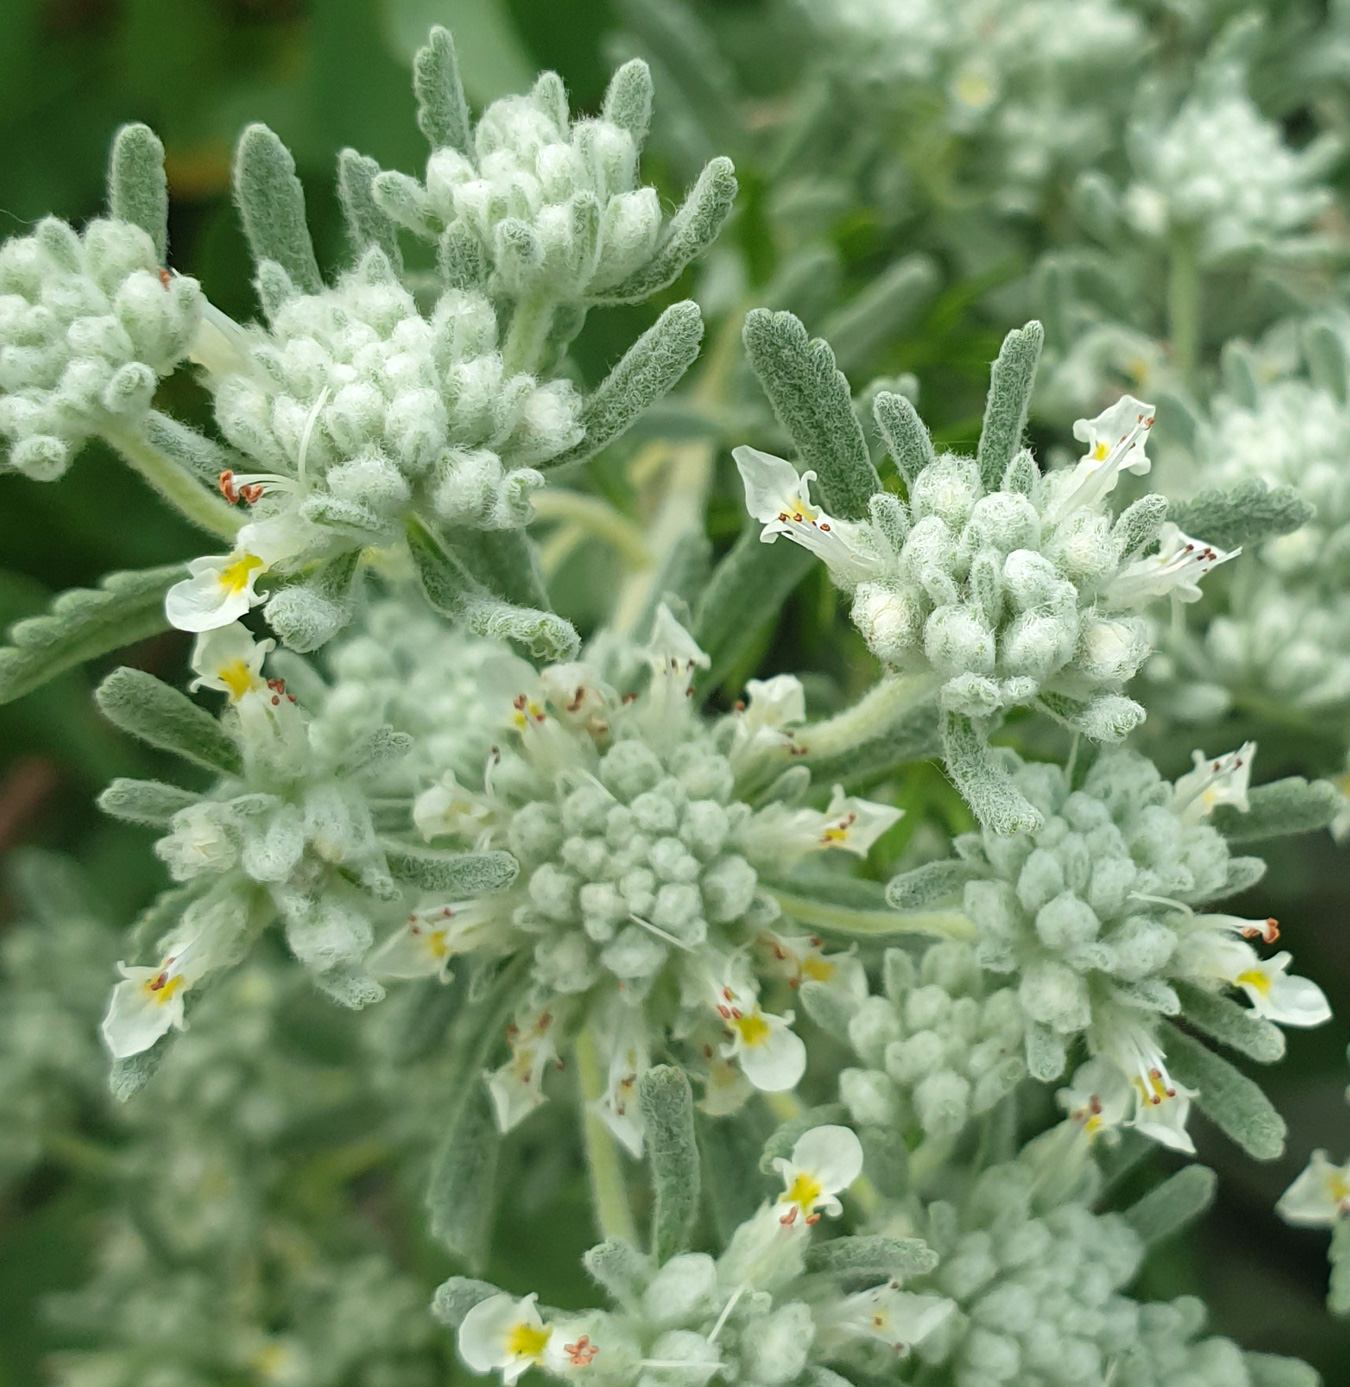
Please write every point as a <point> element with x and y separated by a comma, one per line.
<point>517,1087</point>
<point>1162,1105</point>
<point>148,1004</point>
<point>1176,569</point>
<point>220,591</point>
<point>228,659</point>
<point>448,808</point>
<point>763,727</point>
<point>769,1052</point>
<point>1319,1197</point>
<point>781,500</point>
<point>504,1334</point>
<point>1115,439</point>
<point>1274,994</point>
<point>824,1161</point>
<point>899,1319</point>
<point>197,843</point>
<point>433,938</point>
<point>1220,780</point>
<point>847,822</point>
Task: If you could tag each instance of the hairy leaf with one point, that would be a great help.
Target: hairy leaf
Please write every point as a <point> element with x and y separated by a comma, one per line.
<point>149,709</point>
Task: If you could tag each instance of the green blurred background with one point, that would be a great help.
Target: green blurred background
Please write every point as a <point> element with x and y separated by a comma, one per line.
<point>328,73</point>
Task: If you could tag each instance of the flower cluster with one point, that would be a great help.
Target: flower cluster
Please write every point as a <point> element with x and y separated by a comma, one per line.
<point>939,1047</point>
<point>1095,917</point>
<point>644,838</point>
<point>88,324</point>
<point>746,1316</point>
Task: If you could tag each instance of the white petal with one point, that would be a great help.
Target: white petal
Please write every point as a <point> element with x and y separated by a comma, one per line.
<point>204,602</point>
<point>1317,1196</point>
<point>776,702</point>
<point>135,1018</point>
<point>832,1154</point>
<point>777,1062</point>
<point>771,483</point>
<point>484,1332</point>
<point>1295,1001</point>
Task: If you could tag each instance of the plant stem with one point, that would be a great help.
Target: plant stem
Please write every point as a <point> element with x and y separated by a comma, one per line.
<point>596,516</point>
<point>843,919</point>
<point>609,1193</point>
<point>875,713</point>
<point>527,334</point>
<point>175,483</point>
<point>1183,302</point>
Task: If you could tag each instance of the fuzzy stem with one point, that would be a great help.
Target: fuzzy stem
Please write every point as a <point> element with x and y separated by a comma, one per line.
<point>609,1193</point>
<point>843,919</point>
<point>175,483</point>
<point>596,516</point>
<point>875,713</point>
<point>1183,303</point>
<point>525,338</point>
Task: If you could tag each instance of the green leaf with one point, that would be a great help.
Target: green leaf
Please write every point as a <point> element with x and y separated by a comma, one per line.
<point>872,1255</point>
<point>491,58</point>
<point>650,368</point>
<point>382,746</point>
<point>904,434</point>
<point>193,451</point>
<point>1167,1208</point>
<point>367,222</point>
<point>810,398</point>
<point>127,1077</point>
<point>461,1198</point>
<point>1235,1104</point>
<point>148,802</point>
<point>442,112</point>
<point>619,1269</point>
<point>747,589</point>
<point>881,311</point>
<point>1139,524</point>
<point>929,884</point>
<point>1279,808</point>
<point>454,873</point>
<point>1224,1020</point>
<point>1338,1294</point>
<point>829,1008</point>
<point>272,206</point>
<point>1241,515</point>
<point>138,191</point>
<point>628,99</point>
<point>457,1296</point>
<point>731,1175</point>
<point>667,1105</point>
<point>150,710</point>
<point>1011,381</point>
<point>691,231</point>
<point>983,781</point>
<point>84,624</point>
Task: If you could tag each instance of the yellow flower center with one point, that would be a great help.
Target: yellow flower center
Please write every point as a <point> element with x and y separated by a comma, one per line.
<point>162,986</point>
<point>804,1190</point>
<point>1256,980</point>
<point>234,577</point>
<point>436,945</point>
<point>527,1340</point>
<point>752,1028</point>
<point>1099,452</point>
<point>817,969</point>
<point>835,835</point>
<point>237,678</point>
<point>1338,1187</point>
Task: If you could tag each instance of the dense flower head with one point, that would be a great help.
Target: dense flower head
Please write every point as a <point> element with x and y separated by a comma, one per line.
<point>938,1048</point>
<point>89,323</point>
<point>1008,594</point>
<point>1097,915</point>
<point>644,839</point>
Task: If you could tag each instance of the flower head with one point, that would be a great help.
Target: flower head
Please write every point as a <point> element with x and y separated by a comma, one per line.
<point>769,1052</point>
<point>228,659</point>
<point>505,1335</point>
<point>1319,1197</point>
<point>824,1161</point>
<point>1215,781</point>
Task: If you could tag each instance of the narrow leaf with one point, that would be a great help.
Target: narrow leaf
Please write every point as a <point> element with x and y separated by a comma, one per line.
<point>872,1255</point>
<point>367,223</point>
<point>1241,515</point>
<point>272,206</point>
<point>881,311</point>
<point>150,710</point>
<point>811,399</point>
<point>1224,1020</point>
<point>628,100</point>
<point>442,112</point>
<point>461,1198</point>
<point>1011,381</point>
<point>1167,1208</point>
<point>983,781</point>
<point>929,884</point>
<point>454,873</point>
<point>82,625</point>
<point>620,1270</point>
<point>1279,808</point>
<point>904,433</point>
<point>138,191</point>
<point>1235,1104</point>
<point>667,1105</point>
<point>148,802</point>
<point>457,1296</point>
<point>546,635</point>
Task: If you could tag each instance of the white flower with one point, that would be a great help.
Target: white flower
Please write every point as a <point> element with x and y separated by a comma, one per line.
<point>802,959</point>
<point>1098,1099</point>
<point>433,938</point>
<point>1162,1106</point>
<point>763,726</point>
<point>847,822</point>
<point>769,1052</point>
<point>517,1088</point>
<point>448,808</point>
<point>220,591</point>
<point>147,1004</point>
<point>671,647</point>
<point>899,1319</point>
<point>504,1334</point>
<point>855,824</point>
<point>1274,995</point>
<point>1115,439</point>
<point>228,659</point>
<point>625,1037</point>
<point>781,500</point>
<point>824,1161</point>
<point>1223,780</point>
<point>1319,1197</point>
<point>1177,568</point>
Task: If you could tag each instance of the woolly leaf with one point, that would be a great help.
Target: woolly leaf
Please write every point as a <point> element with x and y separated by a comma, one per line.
<point>828,1008</point>
<point>457,1296</point>
<point>628,100</point>
<point>926,885</point>
<point>452,873</point>
<point>461,1197</point>
<point>1011,380</point>
<point>1241,515</point>
<point>1224,1020</point>
<point>1235,1104</point>
<point>367,223</point>
<point>193,451</point>
<point>1325,352</point>
<point>915,737</point>
<point>1167,1208</point>
<point>618,1269</point>
<point>881,310</point>
<point>506,562</point>
<point>747,590</point>
<point>1274,1370</point>
<point>1338,1294</point>
<point>872,1255</point>
<point>1279,808</point>
<point>647,370</point>
<point>811,399</point>
<point>272,206</point>
<point>460,257</point>
<point>904,433</point>
<point>545,635</point>
<point>786,1135</point>
<point>1139,524</point>
<point>82,625</point>
<point>148,802</point>
<point>127,1077</point>
<point>691,231</point>
<point>442,112</point>
<point>667,1105</point>
<point>983,781</point>
<point>138,191</point>
<point>731,1175</point>
<point>382,746</point>
<point>150,710</point>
